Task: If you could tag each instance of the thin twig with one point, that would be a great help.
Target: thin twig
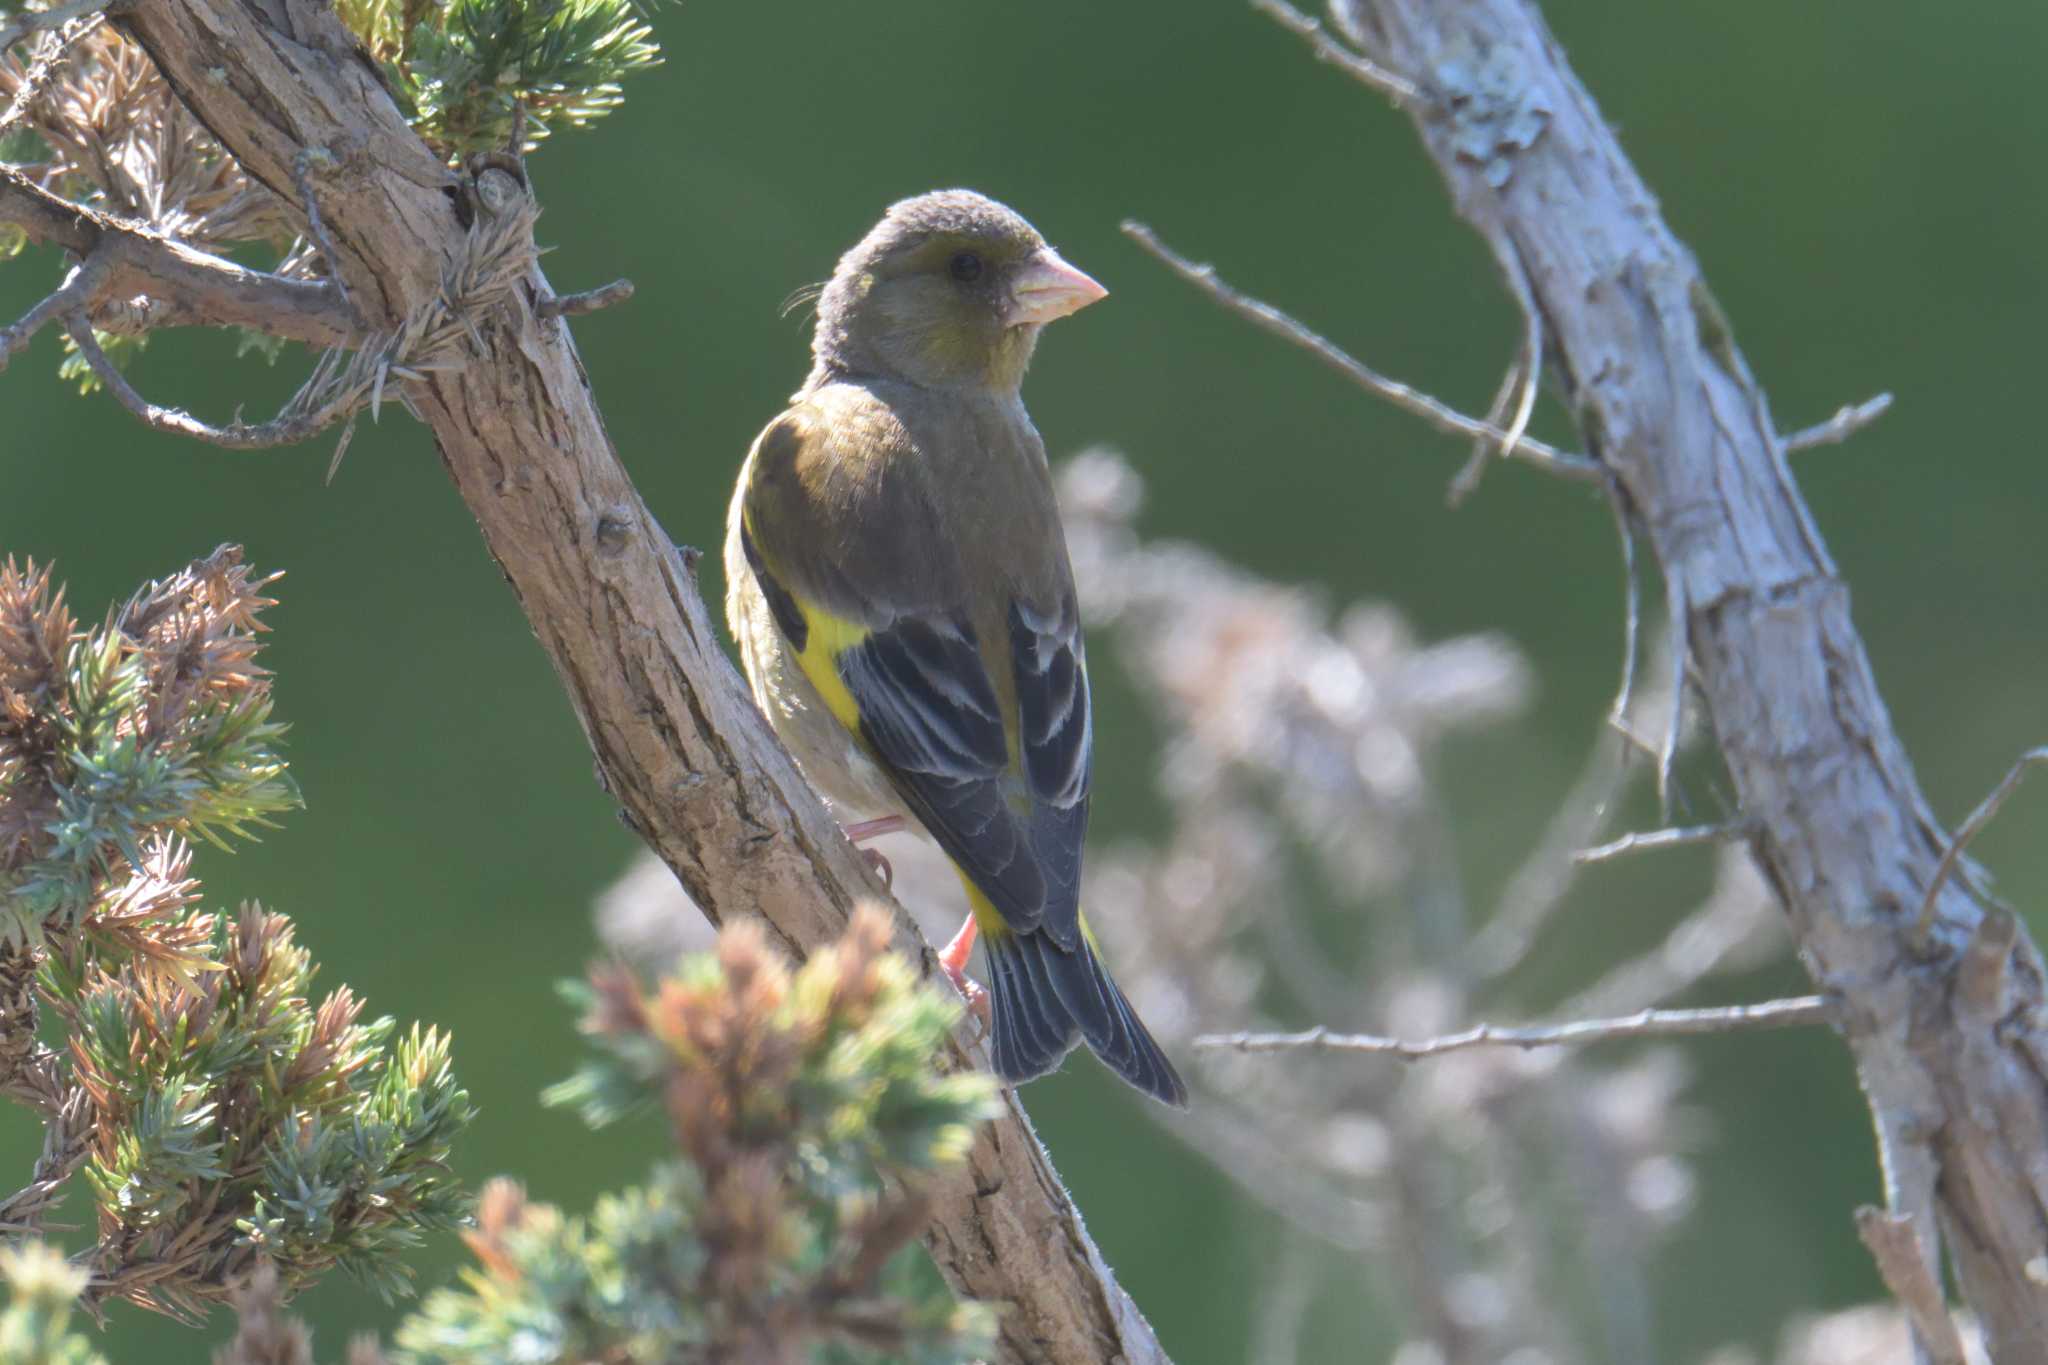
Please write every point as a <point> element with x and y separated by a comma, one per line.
<point>589,301</point>
<point>67,1141</point>
<point>42,21</point>
<point>1537,891</point>
<point>1437,414</point>
<point>1674,726</point>
<point>1682,836</point>
<point>1364,70</point>
<point>1798,1012</point>
<point>1631,620</point>
<point>73,295</point>
<point>47,63</point>
<point>1846,422</point>
<point>1519,386</point>
<point>1900,1263</point>
<point>1987,809</point>
<point>234,436</point>
<point>1735,919</point>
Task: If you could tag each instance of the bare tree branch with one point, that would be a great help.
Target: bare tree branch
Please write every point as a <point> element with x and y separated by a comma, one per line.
<point>42,21</point>
<point>234,436</point>
<point>1645,841</point>
<point>589,301</point>
<point>1801,1012</point>
<point>1371,75</point>
<point>1437,414</point>
<point>1973,825</point>
<point>70,297</point>
<point>1896,1248</point>
<point>47,63</point>
<point>1847,421</point>
<point>677,741</point>
<point>1946,1027</point>
<point>152,281</point>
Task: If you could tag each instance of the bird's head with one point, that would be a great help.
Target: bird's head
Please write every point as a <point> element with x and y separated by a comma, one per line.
<point>949,290</point>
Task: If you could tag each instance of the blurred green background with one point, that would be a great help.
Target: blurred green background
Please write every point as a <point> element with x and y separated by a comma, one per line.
<point>1867,196</point>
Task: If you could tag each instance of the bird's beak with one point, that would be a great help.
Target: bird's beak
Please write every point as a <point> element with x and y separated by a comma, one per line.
<point>1046,288</point>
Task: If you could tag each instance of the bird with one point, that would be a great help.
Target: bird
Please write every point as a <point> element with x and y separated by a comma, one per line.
<point>899,589</point>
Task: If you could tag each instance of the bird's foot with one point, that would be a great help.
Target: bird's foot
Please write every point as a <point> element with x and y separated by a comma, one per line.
<point>860,831</point>
<point>953,962</point>
<point>880,865</point>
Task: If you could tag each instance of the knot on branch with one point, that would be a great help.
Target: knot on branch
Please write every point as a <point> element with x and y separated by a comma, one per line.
<point>1494,110</point>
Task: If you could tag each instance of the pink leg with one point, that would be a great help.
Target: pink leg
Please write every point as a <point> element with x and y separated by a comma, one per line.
<point>860,831</point>
<point>953,961</point>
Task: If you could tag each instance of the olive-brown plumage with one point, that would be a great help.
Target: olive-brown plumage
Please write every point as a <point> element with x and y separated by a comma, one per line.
<point>900,592</point>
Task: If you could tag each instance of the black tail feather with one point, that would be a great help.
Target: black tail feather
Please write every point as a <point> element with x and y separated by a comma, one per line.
<point>1044,999</point>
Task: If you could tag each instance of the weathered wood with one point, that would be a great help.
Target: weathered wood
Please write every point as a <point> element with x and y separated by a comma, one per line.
<point>1946,1034</point>
<point>677,741</point>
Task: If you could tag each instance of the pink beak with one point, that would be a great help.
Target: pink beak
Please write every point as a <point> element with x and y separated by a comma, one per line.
<point>1047,289</point>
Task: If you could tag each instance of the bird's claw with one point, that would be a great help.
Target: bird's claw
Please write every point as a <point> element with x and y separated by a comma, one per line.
<point>879,865</point>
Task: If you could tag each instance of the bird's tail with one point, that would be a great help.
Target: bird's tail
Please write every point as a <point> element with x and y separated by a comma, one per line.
<point>1044,998</point>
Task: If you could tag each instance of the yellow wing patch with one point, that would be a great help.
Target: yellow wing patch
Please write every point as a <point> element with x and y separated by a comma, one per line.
<point>830,636</point>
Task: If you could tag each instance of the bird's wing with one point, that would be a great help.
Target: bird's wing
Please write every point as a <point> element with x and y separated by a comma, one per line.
<point>984,732</point>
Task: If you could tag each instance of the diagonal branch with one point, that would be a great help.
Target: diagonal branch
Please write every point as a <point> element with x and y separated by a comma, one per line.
<point>1801,1012</point>
<point>1973,825</point>
<point>42,21</point>
<point>1439,415</point>
<point>677,741</point>
<point>1948,1029</point>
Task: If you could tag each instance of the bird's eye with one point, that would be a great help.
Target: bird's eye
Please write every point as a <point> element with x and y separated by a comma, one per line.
<point>965,267</point>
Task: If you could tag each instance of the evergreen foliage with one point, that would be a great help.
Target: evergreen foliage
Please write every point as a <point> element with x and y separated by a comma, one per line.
<point>220,1114</point>
<point>799,1104</point>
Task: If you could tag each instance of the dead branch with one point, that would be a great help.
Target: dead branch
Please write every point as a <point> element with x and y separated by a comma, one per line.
<point>46,65</point>
<point>70,297</point>
<point>1847,421</point>
<point>1760,621</point>
<point>589,301</point>
<point>676,738</point>
<point>152,281</point>
<point>42,21</point>
<point>1438,414</point>
<point>1801,1012</point>
<point>1371,75</point>
<point>1896,1249</point>
<point>234,436</point>
<point>1645,841</point>
<point>1973,825</point>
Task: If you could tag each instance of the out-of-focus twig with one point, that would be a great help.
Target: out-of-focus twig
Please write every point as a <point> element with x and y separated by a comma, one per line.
<point>24,24</point>
<point>1849,419</point>
<point>1362,69</point>
<point>1898,1253</point>
<point>1438,414</point>
<point>1797,1012</point>
<point>1973,825</point>
<point>1646,841</point>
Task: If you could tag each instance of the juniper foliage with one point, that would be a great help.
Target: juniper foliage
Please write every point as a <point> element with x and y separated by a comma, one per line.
<point>802,1106</point>
<point>101,127</point>
<point>222,1112</point>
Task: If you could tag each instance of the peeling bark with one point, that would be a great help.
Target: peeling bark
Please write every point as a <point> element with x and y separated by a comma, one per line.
<point>1947,1033</point>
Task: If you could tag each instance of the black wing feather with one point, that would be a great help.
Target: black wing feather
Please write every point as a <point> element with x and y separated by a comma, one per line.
<point>931,714</point>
